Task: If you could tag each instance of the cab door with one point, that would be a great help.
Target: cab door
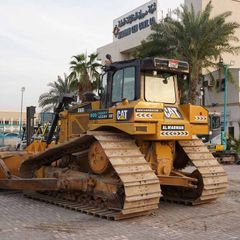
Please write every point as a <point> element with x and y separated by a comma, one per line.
<point>123,83</point>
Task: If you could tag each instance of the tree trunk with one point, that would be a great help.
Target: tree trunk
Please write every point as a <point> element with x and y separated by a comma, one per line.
<point>193,83</point>
<point>84,86</point>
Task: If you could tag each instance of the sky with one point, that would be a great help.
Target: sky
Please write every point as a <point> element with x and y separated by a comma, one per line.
<point>38,38</point>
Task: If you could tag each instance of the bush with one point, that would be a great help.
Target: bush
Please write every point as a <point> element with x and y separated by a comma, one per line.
<point>233,144</point>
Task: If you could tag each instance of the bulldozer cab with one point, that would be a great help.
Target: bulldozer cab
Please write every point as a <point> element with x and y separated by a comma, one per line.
<point>150,79</point>
<point>138,97</point>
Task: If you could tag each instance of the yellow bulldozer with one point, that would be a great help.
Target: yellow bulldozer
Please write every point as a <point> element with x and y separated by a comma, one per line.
<point>118,153</point>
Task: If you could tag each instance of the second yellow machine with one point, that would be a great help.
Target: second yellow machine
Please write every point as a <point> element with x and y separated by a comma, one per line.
<point>119,154</point>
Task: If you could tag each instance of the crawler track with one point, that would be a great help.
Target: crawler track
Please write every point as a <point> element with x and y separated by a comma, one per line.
<point>83,207</point>
<point>211,175</point>
<point>141,185</point>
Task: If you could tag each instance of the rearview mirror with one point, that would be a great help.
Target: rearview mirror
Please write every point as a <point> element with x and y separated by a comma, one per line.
<point>100,91</point>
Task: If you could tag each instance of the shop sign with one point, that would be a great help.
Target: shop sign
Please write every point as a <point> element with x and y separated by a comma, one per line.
<point>135,21</point>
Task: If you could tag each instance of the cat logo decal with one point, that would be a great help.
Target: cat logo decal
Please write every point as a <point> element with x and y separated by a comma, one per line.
<point>172,113</point>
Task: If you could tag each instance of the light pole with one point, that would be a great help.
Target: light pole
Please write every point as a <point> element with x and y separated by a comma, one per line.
<point>20,125</point>
<point>225,66</point>
<point>224,132</point>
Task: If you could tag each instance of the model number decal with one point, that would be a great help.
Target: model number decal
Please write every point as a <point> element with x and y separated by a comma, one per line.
<point>98,115</point>
<point>150,110</point>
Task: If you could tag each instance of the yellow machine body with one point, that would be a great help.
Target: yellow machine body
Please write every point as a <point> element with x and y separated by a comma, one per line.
<point>126,153</point>
<point>150,120</point>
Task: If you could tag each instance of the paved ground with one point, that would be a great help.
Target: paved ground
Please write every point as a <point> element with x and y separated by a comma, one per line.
<point>22,218</point>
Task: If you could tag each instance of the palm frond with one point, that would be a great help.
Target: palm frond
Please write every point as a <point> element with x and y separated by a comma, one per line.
<point>84,69</point>
<point>197,38</point>
<point>58,88</point>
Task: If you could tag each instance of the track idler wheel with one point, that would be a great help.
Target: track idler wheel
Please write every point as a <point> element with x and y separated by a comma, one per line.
<point>197,192</point>
<point>97,159</point>
<point>183,193</point>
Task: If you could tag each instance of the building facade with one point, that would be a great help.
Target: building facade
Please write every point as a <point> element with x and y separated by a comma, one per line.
<point>214,99</point>
<point>130,30</point>
<point>10,121</point>
<point>133,27</point>
<point>214,90</point>
<point>220,6</point>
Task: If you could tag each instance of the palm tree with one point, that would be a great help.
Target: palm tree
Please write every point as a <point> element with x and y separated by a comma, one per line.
<point>158,43</point>
<point>49,100</point>
<point>199,39</point>
<point>84,69</point>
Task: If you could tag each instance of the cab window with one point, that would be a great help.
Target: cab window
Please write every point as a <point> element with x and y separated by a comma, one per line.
<point>216,122</point>
<point>123,84</point>
<point>104,90</point>
<point>160,88</point>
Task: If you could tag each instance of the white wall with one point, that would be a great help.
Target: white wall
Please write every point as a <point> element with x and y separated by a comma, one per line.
<point>220,6</point>
<point>197,4</point>
<point>119,49</point>
<point>233,113</point>
<point>214,95</point>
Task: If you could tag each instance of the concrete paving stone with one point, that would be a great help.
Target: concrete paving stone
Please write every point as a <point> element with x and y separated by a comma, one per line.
<point>22,218</point>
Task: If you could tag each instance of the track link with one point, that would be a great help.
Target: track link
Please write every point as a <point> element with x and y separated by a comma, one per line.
<point>211,175</point>
<point>141,185</point>
<point>83,207</point>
